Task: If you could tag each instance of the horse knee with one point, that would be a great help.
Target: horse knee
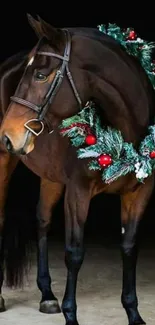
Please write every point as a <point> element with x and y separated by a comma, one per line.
<point>128,246</point>
<point>44,223</point>
<point>74,257</point>
<point>43,218</point>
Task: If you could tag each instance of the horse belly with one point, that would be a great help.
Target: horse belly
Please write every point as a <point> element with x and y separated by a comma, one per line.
<point>123,185</point>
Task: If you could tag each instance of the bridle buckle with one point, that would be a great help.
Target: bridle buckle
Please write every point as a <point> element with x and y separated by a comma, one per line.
<point>31,129</point>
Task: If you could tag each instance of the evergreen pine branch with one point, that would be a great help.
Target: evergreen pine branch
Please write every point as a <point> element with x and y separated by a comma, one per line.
<point>78,140</point>
<point>113,172</point>
<point>93,165</point>
<point>87,154</point>
<point>92,151</point>
<point>70,120</point>
<point>71,132</point>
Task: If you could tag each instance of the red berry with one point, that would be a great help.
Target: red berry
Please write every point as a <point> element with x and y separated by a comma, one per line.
<point>90,139</point>
<point>104,160</point>
<point>152,154</point>
<point>132,35</point>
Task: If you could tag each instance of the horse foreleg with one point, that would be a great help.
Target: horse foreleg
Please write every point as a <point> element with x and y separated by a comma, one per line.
<point>49,195</point>
<point>77,201</point>
<point>7,166</point>
<point>133,205</point>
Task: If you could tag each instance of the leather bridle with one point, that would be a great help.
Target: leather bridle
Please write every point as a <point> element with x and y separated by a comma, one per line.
<point>54,87</point>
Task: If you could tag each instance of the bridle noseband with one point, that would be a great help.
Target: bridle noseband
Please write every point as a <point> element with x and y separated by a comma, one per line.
<point>54,87</point>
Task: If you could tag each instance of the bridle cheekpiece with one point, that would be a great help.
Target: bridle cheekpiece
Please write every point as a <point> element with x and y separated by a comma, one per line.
<point>53,89</point>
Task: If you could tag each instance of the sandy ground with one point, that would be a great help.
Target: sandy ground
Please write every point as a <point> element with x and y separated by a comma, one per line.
<point>98,294</point>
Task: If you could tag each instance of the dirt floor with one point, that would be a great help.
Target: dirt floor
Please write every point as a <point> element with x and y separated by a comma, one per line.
<point>98,294</point>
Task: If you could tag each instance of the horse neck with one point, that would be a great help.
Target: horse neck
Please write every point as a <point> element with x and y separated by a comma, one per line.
<point>131,114</point>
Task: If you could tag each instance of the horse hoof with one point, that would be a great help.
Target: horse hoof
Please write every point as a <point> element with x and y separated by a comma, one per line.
<point>72,323</point>
<point>50,307</point>
<point>2,305</point>
<point>138,322</point>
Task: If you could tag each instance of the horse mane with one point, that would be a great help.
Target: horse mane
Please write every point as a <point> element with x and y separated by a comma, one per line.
<point>13,59</point>
<point>11,66</point>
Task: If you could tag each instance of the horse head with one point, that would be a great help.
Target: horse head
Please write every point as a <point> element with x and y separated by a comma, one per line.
<point>54,86</point>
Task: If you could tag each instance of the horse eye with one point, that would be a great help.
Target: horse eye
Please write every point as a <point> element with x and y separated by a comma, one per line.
<point>40,76</point>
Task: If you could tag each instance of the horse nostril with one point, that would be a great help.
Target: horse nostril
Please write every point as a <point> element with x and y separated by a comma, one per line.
<point>7,142</point>
<point>22,152</point>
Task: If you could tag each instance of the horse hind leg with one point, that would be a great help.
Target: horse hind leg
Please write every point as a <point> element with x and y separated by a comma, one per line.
<point>133,205</point>
<point>50,193</point>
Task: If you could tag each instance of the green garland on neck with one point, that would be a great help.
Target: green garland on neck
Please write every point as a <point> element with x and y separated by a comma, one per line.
<point>105,147</point>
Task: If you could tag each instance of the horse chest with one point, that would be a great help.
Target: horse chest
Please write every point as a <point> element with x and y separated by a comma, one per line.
<point>48,159</point>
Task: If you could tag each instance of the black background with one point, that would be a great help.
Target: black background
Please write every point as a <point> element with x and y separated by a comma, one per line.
<point>16,35</point>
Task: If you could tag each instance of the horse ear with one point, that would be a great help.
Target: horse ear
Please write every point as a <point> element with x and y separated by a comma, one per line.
<point>36,25</point>
<point>51,33</point>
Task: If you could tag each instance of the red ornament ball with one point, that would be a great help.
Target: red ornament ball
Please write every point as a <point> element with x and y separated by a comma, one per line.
<point>152,154</point>
<point>90,139</point>
<point>132,35</point>
<point>104,160</point>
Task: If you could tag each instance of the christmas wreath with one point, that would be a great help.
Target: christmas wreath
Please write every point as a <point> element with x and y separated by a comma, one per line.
<point>105,147</point>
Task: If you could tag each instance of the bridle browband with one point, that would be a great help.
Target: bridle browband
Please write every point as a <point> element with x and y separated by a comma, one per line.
<point>54,87</point>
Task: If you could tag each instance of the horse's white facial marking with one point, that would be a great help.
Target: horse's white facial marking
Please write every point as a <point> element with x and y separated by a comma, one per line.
<point>123,230</point>
<point>31,61</point>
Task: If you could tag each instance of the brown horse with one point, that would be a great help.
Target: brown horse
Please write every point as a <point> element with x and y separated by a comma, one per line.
<point>64,70</point>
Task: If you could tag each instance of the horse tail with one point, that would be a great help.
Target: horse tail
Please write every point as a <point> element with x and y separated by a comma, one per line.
<point>18,239</point>
<point>16,248</point>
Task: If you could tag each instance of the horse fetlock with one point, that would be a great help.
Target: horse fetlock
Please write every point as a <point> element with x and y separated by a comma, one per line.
<point>134,316</point>
<point>70,316</point>
<point>137,322</point>
<point>72,323</point>
<point>2,304</point>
